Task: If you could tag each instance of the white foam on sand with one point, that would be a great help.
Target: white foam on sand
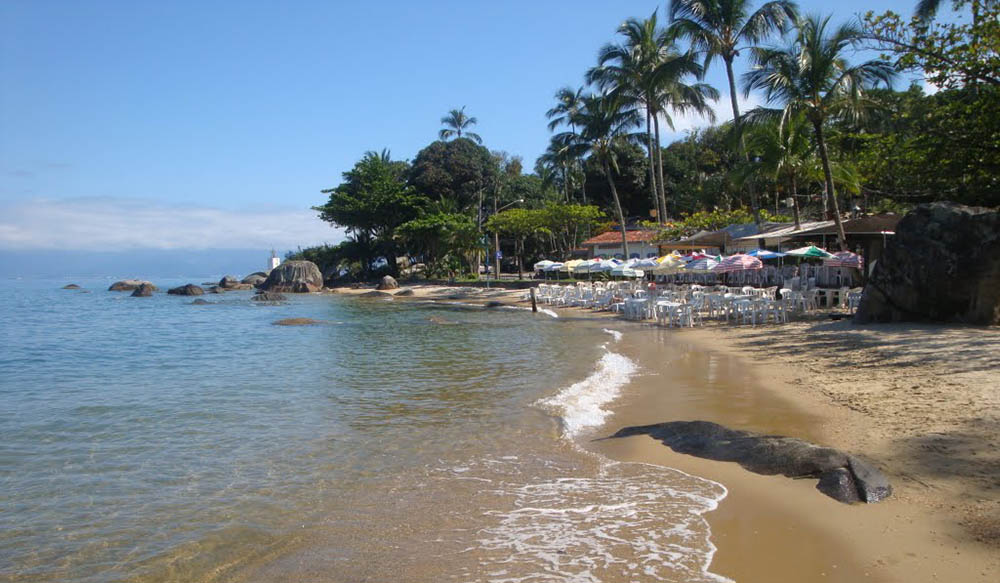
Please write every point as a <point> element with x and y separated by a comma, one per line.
<point>618,335</point>
<point>581,405</point>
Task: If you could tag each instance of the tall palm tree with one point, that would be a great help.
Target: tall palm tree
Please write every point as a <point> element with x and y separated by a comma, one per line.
<point>569,102</point>
<point>812,78</point>
<point>458,124</point>
<point>606,122</point>
<point>786,153</point>
<point>722,28</point>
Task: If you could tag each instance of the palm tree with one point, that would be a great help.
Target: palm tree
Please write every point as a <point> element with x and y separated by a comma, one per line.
<point>569,102</point>
<point>605,121</point>
<point>722,28</point>
<point>786,153</point>
<point>457,124</point>
<point>812,78</point>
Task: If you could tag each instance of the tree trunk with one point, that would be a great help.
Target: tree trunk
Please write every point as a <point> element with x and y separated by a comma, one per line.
<point>659,171</point>
<point>737,123</point>
<point>830,192</point>
<point>618,207</point>
<point>795,203</point>
<point>518,251</point>
<point>652,169</point>
<point>583,182</point>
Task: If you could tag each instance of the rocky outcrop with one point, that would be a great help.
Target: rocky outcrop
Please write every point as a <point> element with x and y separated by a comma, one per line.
<point>144,290</point>
<point>842,476</point>
<point>388,282</point>
<point>228,281</point>
<point>265,296</point>
<point>71,286</point>
<point>254,279</point>
<point>375,294</point>
<point>130,285</point>
<point>294,277</point>
<point>404,293</point>
<point>943,264</point>
<point>186,290</point>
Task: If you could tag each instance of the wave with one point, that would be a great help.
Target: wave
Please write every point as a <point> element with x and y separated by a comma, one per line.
<point>580,405</point>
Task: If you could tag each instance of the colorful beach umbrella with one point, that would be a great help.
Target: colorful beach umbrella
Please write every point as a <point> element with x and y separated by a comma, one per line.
<point>765,254</point>
<point>845,259</point>
<point>705,264</point>
<point>738,262</point>
<point>541,265</point>
<point>668,264</point>
<point>811,251</point>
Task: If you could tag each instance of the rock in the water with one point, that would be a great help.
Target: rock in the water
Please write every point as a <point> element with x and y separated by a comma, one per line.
<point>493,304</point>
<point>943,264</point>
<point>255,278</point>
<point>144,291</point>
<point>228,281</point>
<point>269,297</point>
<point>200,302</point>
<point>376,294</point>
<point>297,322</point>
<point>842,476</point>
<point>130,285</point>
<point>294,277</point>
<point>215,290</point>
<point>186,290</point>
<point>388,282</point>
<point>71,286</point>
<point>404,292</point>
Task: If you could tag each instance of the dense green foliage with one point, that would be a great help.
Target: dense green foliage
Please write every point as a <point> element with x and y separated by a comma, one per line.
<point>829,137</point>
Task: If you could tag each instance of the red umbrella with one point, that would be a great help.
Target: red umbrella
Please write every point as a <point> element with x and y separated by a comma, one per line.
<point>845,259</point>
<point>738,262</point>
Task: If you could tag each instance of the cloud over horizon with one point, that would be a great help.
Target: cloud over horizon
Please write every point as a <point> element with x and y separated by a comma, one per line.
<point>115,224</point>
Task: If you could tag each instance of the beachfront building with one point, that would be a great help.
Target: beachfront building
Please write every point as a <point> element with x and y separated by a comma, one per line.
<point>609,244</point>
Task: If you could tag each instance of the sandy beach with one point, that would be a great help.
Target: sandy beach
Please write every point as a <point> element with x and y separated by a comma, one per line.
<point>920,401</point>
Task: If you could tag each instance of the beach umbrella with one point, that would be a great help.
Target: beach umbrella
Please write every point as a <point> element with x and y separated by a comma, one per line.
<point>624,271</point>
<point>765,254</point>
<point>738,262</point>
<point>541,265</point>
<point>811,251</point>
<point>668,264</point>
<point>704,264</point>
<point>570,265</point>
<point>553,266</point>
<point>845,259</point>
<point>605,266</point>
<point>646,264</point>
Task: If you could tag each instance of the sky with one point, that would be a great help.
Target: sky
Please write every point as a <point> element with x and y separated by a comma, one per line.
<point>214,125</point>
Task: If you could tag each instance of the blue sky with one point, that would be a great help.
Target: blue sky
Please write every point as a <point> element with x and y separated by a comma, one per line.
<point>174,125</point>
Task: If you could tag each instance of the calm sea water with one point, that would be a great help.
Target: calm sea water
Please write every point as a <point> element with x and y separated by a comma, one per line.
<point>149,439</point>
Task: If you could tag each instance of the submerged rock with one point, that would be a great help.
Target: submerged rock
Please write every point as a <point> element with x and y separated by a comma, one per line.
<point>186,290</point>
<point>200,302</point>
<point>404,292</point>
<point>71,286</point>
<point>842,476</point>
<point>265,296</point>
<point>943,264</point>
<point>297,322</point>
<point>130,285</point>
<point>144,291</point>
<point>375,294</point>
<point>294,277</point>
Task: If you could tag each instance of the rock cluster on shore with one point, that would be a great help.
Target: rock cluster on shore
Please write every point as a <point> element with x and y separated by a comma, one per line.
<point>294,277</point>
<point>842,476</point>
<point>942,265</point>
<point>131,285</point>
<point>186,290</point>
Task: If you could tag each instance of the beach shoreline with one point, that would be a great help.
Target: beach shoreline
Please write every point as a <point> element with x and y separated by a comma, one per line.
<point>839,390</point>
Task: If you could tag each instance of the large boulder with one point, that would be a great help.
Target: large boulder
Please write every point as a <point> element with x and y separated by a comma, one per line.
<point>130,285</point>
<point>228,282</point>
<point>255,279</point>
<point>388,282</point>
<point>294,277</point>
<point>842,476</point>
<point>186,290</point>
<point>266,296</point>
<point>144,290</point>
<point>942,265</point>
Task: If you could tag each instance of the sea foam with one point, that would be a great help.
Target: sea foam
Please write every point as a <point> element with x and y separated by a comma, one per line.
<point>581,405</point>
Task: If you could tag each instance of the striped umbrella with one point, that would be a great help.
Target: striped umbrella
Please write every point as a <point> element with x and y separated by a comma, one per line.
<point>810,251</point>
<point>738,262</point>
<point>845,259</point>
<point>705,264</point>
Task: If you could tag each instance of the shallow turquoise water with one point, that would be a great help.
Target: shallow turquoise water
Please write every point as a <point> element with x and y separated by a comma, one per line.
<point>148,439</point>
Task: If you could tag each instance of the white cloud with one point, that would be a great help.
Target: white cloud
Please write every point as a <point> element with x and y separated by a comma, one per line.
<point>107,224</point>
<point>723,109</point>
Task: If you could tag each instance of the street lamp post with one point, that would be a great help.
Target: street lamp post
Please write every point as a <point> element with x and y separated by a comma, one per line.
<point>496,238</point>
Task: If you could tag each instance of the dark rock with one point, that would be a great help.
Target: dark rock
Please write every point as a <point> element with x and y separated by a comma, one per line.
<point>200,302</point>
<point>144,291</point>
<point>839,484</point>
<point>215,290</point>
<point>130,285</point>
<point>376,294</point>
<point>71,286</point>
<point>404,292</point>
<point>228,281</point>
<point>493,304</point>
<point>297,322</point>
<point>269,297</point>
<point>294,277</point>
<point>209,283</point>
<point>770,455</point>
<point>254,279</point>
<point>186,290</point>
<point>943,264</point>
<point>388,282</point>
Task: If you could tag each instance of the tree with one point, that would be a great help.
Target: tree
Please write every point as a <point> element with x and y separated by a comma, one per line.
<point>371,203</point>
<point>519,224</point>
<point>812,78</point>
<point>785,152</point>
<point>458,171</point>
<point>648,70</point>
<point>443,237</point>
<point>458,123</point>
<point>951,55</point>
<point>722,28</point>
<point>568,105</point>
<point>606,121</point>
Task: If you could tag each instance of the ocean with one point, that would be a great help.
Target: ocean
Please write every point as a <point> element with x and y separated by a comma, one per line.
<point>150,439</point>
